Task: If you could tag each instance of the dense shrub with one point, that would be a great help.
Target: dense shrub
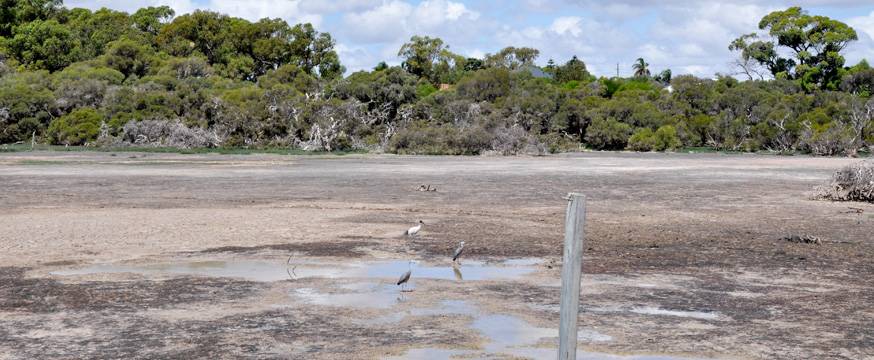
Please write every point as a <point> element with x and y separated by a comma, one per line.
<point>441,140</point>
<point>608,134</point>
<point>666,138</point>
<point>230,81</point>
<point>643,139</point>
<point>77,128</point>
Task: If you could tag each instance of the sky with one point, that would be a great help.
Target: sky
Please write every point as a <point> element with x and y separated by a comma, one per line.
<point>688,37</point>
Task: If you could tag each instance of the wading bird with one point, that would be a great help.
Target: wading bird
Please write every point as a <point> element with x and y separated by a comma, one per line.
<point>406,276</point>
<point>415,229</point>
<point>458,252</point>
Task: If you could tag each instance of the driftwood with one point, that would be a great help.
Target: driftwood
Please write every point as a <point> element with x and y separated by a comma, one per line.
<point>427,187</point>
<point>803,239</point>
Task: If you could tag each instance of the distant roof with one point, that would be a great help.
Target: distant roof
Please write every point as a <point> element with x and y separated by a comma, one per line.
<point>534,71</point>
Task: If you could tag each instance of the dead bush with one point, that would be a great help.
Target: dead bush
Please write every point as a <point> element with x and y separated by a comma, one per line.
<point>164,133</point>
<point>854,182</point>
<point>515,140</point>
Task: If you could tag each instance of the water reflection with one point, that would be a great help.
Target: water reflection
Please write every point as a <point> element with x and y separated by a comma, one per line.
<point>458,275</point>
<point>266,271</point>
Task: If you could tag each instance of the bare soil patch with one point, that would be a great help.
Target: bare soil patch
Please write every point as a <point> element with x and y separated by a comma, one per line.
<point>685,255</point>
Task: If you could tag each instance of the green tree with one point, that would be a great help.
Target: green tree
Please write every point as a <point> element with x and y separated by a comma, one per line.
<point>815,43</point>
<point>663,77</point>
<point>94,31</point>
<point>151,20</point>
<point>512,57</point>
<point>203,32</point>
<point>17,12</point>
<point>573,70</point>
<point>26,105</point>
<point>129,57</point>
<point>641,68</point>
<point>420,55</point>
<point>43,44</point>
<point>472,64</point>
<point>859,80</point>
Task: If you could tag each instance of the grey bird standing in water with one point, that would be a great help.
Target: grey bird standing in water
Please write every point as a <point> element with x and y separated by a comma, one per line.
<point>458,252</point>
<point>406,276</point>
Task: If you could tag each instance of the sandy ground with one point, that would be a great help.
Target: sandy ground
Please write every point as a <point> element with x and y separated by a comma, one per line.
<point>685,257</point>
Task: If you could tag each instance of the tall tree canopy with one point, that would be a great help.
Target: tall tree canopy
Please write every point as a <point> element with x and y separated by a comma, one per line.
<point>512,57</point>
<point>17,12</point>
<point>814,42</point>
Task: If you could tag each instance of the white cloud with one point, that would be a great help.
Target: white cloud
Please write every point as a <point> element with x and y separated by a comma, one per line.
<point>392,23</point>
<point>864,48</point>
<point>567,24</point>
<point>131,6</point>
<point>379,24</point>
<point>686,36</point>
<point>254,10</point>
<point>778,3</point>
<point>323,7</point>
<point>864,25</point>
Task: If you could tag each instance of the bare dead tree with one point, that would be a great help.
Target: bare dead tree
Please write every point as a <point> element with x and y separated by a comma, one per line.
<point>748,67</point>
<point>322,136</point>
<point>861,115</point>
<point>783,140</point>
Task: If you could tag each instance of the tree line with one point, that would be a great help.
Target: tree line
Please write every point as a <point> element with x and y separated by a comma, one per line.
<point>205,79</point>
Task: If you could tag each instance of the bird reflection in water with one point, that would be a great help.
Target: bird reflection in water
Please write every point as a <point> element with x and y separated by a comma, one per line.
<point>457,270</point>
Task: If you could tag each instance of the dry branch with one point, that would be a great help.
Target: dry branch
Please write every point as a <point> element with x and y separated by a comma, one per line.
<point>854,182</point>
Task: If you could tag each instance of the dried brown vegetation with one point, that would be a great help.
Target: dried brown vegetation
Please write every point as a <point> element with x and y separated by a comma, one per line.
<point>852,183</point>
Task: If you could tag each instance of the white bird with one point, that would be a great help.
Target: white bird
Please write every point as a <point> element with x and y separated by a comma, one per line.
<point>415,229</point>
<point>458,251</point>
<point>406,276</point>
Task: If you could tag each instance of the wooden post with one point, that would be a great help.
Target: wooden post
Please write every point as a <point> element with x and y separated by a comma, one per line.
<point>571,271</point>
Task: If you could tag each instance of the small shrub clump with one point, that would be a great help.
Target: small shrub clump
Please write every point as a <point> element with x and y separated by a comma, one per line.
<point>665,138</point>
<point>852,183</point>
<point>76,128</point>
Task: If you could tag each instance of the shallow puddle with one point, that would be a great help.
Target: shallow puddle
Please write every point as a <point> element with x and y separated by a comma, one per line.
<point>504,332</point>
<point>379,296</point>
<point>511,336</point>
<point>267,271</point>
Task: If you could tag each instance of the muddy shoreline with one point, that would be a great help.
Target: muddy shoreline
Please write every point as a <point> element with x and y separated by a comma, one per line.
<point>685,257</point>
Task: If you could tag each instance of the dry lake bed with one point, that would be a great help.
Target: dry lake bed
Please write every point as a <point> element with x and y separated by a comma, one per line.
<point>143,255</point>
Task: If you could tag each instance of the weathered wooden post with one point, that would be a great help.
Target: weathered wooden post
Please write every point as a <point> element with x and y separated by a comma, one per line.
<point>571,271</point>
